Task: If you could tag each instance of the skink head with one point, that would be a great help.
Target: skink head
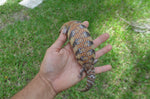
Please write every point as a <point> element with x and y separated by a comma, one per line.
<point>64,29</point>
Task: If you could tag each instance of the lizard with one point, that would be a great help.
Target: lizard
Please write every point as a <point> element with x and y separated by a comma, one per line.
<point>83,48</point>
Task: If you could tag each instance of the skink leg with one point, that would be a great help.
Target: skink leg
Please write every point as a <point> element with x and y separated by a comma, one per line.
<point>81,72</point>
<point>95,61</point>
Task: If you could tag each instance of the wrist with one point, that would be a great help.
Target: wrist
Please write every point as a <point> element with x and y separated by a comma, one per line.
<point>47,84</point>
<point>38,88</point>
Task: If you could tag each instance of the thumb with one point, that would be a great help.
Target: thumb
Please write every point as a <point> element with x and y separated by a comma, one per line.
<point>60,41</point>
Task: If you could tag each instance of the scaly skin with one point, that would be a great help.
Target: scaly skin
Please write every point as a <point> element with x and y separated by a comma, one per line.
<point>83,48</point>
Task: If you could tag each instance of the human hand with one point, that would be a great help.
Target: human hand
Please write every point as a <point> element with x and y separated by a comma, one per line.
<point>60,67</point>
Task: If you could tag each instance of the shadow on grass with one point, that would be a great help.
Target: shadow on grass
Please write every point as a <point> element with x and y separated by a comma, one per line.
<point>140,73</point>
<point>142,76</point>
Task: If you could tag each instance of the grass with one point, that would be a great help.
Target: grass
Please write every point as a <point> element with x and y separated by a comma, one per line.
<point>24,40</point>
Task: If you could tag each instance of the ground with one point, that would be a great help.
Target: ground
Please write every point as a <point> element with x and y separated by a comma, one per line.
<point>25,34</point>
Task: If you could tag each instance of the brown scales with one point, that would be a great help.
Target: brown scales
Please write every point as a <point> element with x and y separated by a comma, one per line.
<point>83,49</point>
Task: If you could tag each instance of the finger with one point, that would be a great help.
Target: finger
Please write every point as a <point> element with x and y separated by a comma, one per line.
<point>86,23</point>
<point>103,51</point>
<point>67,45</point>
<point>102,69</point>
<point>100,39</point>
<point>98,70</point>
<point>60,41</point>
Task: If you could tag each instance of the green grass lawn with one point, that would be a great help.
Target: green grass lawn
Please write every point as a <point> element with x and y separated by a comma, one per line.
<point>25,34</point>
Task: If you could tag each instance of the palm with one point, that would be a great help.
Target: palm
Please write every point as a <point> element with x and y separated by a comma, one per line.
<point>68,74</point>
<point>60,66</point>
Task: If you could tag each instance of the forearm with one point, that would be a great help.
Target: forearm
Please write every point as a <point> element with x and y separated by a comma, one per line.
<point>38,88</point>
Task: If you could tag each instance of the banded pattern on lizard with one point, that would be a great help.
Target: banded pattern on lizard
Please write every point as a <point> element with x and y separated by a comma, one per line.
<point>83,48</point>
